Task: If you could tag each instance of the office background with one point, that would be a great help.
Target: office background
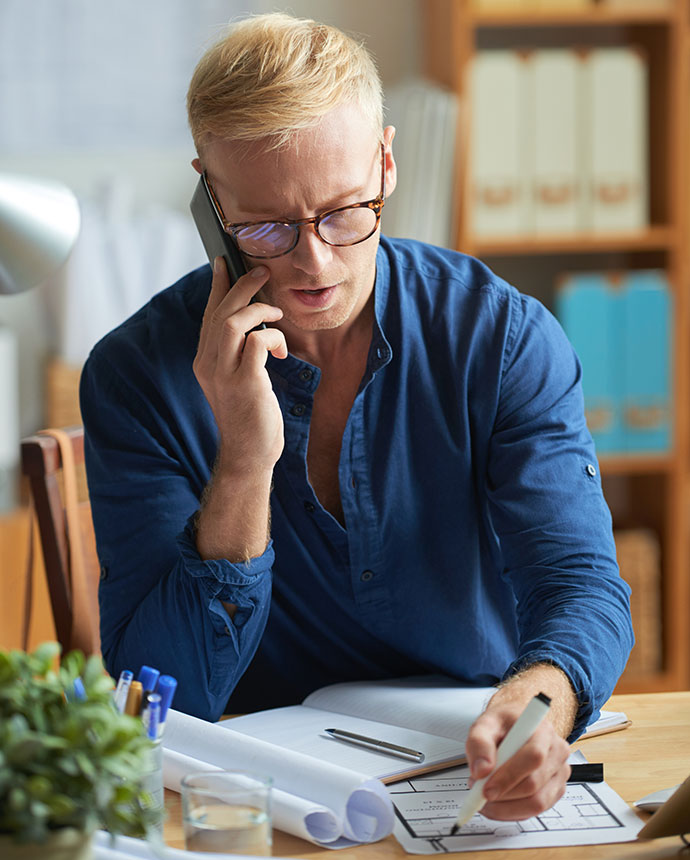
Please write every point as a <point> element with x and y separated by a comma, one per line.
<point>548,137</point>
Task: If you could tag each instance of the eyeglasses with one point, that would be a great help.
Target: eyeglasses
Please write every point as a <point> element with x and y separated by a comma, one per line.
<point>347,225</point>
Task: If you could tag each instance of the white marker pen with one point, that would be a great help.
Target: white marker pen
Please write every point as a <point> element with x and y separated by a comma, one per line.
<point>520,732</point>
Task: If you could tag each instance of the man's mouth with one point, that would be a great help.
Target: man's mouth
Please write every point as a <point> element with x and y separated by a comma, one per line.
<point>315,298</point>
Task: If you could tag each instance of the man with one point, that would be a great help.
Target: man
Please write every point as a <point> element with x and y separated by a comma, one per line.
<point>393,477</point>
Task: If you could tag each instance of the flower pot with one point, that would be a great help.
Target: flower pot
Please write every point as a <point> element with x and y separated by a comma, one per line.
<point>65,844</point>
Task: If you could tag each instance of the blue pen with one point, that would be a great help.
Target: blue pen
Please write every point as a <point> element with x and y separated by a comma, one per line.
<point>151,715</point>
<point>166,687</point>
<point>122,689</point>
<point>148,677</point>
<point>77,693</point>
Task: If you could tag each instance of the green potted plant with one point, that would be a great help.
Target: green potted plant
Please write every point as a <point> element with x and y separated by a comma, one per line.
<point>69,761</point>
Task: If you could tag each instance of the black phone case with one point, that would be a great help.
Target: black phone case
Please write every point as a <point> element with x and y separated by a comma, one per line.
<point>217,243</point>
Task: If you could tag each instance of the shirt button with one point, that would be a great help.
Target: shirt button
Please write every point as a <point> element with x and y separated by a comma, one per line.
<point>591,471</point>
<point>309,507</point>
<point>382,352</point>
<point>306,374</point>
<point>367,575</point>
<point>298,409</point>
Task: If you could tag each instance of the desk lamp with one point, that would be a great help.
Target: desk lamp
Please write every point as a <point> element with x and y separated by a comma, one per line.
<point>39,224</point>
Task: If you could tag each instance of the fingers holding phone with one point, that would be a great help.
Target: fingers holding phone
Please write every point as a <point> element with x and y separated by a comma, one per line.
<point>230,368</point>
<point>228,265</point>
<point>227,298</point>
<point>243,339</point>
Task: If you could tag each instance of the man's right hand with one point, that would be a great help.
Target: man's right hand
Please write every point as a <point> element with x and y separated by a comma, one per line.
<point>230,366</point>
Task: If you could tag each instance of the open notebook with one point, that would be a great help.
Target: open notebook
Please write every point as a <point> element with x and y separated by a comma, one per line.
<point>431,714</point>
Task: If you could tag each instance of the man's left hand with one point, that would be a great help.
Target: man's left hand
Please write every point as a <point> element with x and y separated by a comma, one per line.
<point>533,779</point>
<point>530,781</point>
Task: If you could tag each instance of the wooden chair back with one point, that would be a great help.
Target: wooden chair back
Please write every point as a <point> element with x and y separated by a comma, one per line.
<point>53,461</point>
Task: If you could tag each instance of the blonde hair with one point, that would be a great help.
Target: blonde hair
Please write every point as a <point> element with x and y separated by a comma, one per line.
<point>273,75</point>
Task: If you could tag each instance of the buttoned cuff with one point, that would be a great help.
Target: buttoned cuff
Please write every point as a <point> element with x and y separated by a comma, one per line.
<point>220,570</point>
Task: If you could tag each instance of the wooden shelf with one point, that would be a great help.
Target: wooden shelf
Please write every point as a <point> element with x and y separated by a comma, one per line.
<point>645,491</point>
<point>653,682</point>
<point>659,238</point>
<point>597,16</point>
<point>637,464</point>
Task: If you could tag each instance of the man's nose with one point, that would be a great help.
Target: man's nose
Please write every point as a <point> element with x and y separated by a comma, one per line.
<point>311,254</point>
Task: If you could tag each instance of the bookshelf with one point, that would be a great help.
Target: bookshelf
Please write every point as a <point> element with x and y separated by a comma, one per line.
<point>646,492</point>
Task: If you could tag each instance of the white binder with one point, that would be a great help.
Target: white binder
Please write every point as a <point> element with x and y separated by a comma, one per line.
<point>557,182</point>
<point>499,187</point>
<point>425,117</point>
<point>616,93</point>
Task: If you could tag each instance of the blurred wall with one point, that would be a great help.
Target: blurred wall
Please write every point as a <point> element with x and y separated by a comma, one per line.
<point>93,93</point>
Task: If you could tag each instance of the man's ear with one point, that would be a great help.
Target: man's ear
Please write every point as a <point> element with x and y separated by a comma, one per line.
<point>389,162</point>
<point>196,164</point>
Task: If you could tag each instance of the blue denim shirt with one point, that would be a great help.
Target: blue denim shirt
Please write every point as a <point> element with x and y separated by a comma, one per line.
<point>477,538</point>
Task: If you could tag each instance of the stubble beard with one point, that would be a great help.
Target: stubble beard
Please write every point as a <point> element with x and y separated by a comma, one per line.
<point>332,317</point>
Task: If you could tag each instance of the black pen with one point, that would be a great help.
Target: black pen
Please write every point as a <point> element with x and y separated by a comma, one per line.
<point>376,745</point>
<point>587,772</point>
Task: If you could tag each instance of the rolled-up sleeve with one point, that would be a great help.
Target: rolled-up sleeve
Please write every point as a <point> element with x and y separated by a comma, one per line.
<point>160,603</point>
<point>551,518</point>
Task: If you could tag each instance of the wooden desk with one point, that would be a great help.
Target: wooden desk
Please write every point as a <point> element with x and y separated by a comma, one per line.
<point>653,753</point>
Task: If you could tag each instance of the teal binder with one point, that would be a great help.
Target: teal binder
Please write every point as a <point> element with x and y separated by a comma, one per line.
<point>647,308</point>
<point>587,307</point>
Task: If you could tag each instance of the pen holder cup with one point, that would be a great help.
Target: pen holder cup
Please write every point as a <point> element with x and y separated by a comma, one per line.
<point>152,782</point>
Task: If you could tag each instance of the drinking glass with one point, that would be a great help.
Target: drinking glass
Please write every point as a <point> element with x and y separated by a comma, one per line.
<point>227,812</point>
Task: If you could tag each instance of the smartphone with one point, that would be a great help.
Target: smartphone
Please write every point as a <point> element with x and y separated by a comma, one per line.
<point>217,243</point>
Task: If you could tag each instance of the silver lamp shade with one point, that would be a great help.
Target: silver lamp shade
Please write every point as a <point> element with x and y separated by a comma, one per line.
<point>39,224</point>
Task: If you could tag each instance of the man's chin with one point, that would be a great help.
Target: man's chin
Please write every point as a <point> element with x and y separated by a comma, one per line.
<point>309,315</point>
<point>322,320</point>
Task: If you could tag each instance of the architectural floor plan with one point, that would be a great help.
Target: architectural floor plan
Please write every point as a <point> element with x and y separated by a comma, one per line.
<point>426,808</point>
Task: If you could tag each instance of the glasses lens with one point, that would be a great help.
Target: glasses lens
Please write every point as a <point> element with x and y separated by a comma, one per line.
<point>348,226</point>
<point>266,240</point>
